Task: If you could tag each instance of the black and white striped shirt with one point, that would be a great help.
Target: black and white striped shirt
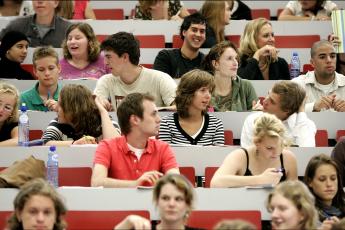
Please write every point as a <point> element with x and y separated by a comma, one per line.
<point>212,132</point>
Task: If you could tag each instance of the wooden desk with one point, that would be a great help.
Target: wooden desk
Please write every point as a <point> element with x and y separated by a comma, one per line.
<point>118,199</point>
<point>198,157</point>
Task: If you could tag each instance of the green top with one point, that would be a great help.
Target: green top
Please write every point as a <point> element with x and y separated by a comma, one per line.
<point>33,100</point>
<point>239,99</point>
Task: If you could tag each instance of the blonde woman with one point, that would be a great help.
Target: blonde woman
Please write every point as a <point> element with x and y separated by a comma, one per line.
<point>258,54</point>
<point>265,162</point>
<point>292,207</point>
<point>217,14</point>
<point>9,100</point>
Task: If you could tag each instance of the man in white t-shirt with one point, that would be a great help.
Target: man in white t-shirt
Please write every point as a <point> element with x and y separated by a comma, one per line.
<point>325,87</point>
<point>122,53</point>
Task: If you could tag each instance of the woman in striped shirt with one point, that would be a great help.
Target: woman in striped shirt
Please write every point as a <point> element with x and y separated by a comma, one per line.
<point>191,124</point>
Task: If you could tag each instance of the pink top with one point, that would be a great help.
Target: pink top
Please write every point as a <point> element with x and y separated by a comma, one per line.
<point>79,9</point>
<point>94,70</point>
<point>123,164</point>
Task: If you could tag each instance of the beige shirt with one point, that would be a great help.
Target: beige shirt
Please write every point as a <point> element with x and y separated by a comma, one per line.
<point>156,83</point>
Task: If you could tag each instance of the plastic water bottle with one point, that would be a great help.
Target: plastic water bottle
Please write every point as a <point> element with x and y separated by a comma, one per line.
<point>23,126</point>
<point>53,167</point>
<point>295,66</point>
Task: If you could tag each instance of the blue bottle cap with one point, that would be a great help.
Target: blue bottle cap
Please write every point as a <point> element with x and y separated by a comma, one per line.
<point>23,107</point>
<point>294,53</point>
<point>52,148</point>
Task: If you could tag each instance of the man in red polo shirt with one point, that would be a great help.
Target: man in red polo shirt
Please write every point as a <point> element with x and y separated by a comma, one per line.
<point>134,159</point>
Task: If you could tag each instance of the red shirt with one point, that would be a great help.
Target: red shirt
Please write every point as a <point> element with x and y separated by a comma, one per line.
<point>123,164</point>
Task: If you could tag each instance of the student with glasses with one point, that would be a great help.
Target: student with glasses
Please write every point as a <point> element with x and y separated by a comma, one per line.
<point>8,115</point>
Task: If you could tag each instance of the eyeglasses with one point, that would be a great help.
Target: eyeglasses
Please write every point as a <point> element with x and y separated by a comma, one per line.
<point>6,107</point>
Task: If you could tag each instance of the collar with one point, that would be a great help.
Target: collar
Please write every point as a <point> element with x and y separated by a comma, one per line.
<point>34,24</point>
<point>339,80</point>
<point>124,147</point>
<point>37,100</point>
<point>291,120</point>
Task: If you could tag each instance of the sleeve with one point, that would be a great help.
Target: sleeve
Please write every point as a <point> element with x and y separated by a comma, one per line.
<point>52,132</point>
<point>247,132</point>
<point>168,158</point>
<point>304,131</point>
<point>102,154</point>
<point>162,62</point>
<point>292,6</point>
<point>167,89</point>
<point>102,87</point>
<point>338,155</point>
<point>251,95</point>
<point>249,69</point>
<point>164,130</point>
<point>219,135</point>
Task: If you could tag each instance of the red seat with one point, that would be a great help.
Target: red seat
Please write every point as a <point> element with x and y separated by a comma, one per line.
<point>3,218</point>
<point>307,67</point>
<point>109,14</point>
<point>29,68</point>
<point>208,219</point>
<point>321,138</point>
<point>146,41</point>
<point>261,13</point>
<point>35,134</point>
<point>340,135</point>
<point>189,173</point>
<point>99,220</point>
<point>192,11</point>
<point>149,66</point>
<point>209,172</point>
<point>78,176</point>
<point>296,41</point>
<point>228,137</point>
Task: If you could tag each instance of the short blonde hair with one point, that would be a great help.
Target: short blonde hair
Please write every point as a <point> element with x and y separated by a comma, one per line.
<point>6,88</point>
<point>268,125</point>
<point>299,194</point>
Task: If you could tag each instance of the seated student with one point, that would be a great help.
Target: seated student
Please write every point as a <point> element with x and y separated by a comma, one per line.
<point>338,155</point>
<point>292,207</point>
<point>177,62</point>
<point>324,86</point>
<point>43,28</point>
<point>37,206</point>
<point>81,119</point>
<point>16,8</point>
<point>75,9</point>
<point>191,124</point>
<point>267,161</point>
<point>258,55</point>
<point>13,51</point>
<point>308,10</point>
<point>173,196</point>
<point>44,95</point>
<point>231,92</point>
<point>122,53</point>
<point>82,54</point>
<point>160,9</point>
<point>135,158</point>
<point>217,14</point>
<point>323,179</point>
<point>9,97</point>
<point>285,100</point>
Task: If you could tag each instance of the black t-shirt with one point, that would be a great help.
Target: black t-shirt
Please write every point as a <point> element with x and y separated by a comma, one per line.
<point>5,131</point>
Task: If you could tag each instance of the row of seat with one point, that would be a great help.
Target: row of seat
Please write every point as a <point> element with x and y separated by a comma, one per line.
<point>103,220</point>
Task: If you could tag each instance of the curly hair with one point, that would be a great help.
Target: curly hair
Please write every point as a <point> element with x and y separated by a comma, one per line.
<point>6,88</point>
<point>80,109</point>
<point>310,171</point>
<point>299,194</point>
<point>189,84</point>
<point>181,183</point>
<point>37,187</point>
<point>214,55</point>
<point>93,46</point>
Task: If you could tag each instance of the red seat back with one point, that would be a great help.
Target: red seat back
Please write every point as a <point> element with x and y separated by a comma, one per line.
<point>3,218</point>
<point>80,176</point>
<point>340,134</point>
<point>35,134</point>
<point>261,13</point>
<point>99,220</point>
<point>209,172</point>
<point>189,173</point>
<point>307,67</point>
<point>109,14</point>
<point>228,137</point>
<point>321,138</point>
<point>296,41</point>
<point>208,219</point>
